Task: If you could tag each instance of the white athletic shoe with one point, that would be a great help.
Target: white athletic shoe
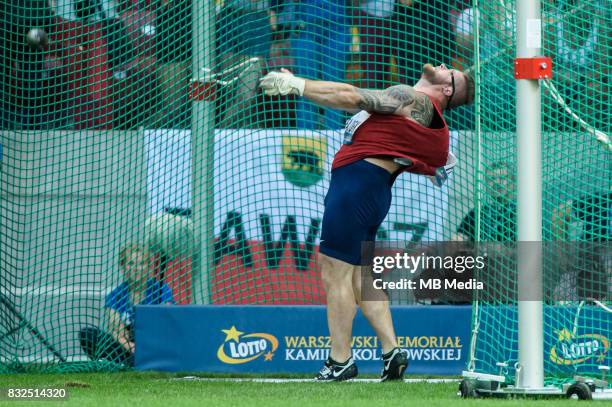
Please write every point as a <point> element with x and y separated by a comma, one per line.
<point>333,371</point>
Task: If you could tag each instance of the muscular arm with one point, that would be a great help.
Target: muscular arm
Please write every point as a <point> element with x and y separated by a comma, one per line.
<point>401,100</point>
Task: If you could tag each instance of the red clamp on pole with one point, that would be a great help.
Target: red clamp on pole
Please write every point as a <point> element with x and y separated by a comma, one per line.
<point>533,68</point>
<point>202,90</point>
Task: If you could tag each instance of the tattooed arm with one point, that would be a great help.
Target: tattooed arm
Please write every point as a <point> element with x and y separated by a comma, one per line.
<point>401,100</point>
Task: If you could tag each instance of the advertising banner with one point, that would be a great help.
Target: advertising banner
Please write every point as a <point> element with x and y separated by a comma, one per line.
<point>573,343</point>
<point>286,339</point>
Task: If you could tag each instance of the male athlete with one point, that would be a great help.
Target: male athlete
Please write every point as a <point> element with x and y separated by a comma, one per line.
<point>397,129</point>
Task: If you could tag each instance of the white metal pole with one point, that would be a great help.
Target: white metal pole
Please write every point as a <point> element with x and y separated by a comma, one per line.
<point>202,150</point>
<point>529,209</point>
<point>478,116</point>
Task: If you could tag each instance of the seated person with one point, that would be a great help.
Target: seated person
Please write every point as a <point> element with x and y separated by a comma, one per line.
<point>497,218</point>
<point>587,265</point>
<point>139,287</point>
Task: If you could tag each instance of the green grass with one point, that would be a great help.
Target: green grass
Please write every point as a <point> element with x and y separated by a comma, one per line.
<point>160,389</point>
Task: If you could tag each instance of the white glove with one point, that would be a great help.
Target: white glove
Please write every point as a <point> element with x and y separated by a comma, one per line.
<point>282,83</point>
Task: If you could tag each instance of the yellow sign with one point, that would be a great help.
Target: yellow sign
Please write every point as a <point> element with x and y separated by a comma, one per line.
<point>573,349</point>
<point>303,159</point>
<point>239,347</point>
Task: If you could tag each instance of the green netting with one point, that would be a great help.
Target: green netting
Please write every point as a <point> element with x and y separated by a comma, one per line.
<point>576,187</point>
<point>115,182</point>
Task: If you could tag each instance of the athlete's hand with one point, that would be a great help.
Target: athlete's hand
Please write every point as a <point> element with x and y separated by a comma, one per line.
<point>282,83</point>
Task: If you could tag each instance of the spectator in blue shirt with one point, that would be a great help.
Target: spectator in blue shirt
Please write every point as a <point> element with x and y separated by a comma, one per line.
<point>320,47</point>
<point>139,287</point>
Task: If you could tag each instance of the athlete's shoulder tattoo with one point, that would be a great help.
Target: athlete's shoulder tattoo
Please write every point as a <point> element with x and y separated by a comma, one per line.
<point>392,99</point>
<point>377,101</point>
<point>422,110</point>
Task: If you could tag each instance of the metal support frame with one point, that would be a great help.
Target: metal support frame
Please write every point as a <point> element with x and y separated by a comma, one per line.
<point>529,206</point>
<point>202,149</point>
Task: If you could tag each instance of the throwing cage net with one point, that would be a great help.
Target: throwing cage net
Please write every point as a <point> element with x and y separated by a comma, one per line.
<point>140,163</point>
<point>576,190</point>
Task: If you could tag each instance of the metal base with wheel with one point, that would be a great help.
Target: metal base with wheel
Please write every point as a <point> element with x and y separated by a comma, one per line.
<point>487,385</point>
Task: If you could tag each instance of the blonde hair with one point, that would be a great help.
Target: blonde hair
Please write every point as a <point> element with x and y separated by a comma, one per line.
<point>128,248</point>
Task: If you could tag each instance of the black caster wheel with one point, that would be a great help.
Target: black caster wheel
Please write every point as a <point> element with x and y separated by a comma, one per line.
<point>467,388</point>
<point>580,391</point>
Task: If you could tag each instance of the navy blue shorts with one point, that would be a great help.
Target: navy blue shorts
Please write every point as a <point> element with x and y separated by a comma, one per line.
<point>356,203</point>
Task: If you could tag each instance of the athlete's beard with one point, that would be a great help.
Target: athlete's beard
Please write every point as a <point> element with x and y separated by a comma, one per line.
<point>428,76</point>
<point>429,72</point>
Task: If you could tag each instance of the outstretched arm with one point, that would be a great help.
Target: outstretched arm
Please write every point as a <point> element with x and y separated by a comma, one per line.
<point>400,99</point>
<point>349,97</point>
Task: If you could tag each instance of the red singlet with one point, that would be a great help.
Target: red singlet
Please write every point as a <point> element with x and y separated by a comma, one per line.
<point>396,136</point>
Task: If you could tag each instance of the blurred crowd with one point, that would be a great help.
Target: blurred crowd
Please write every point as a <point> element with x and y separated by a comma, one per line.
<point>127,63</point>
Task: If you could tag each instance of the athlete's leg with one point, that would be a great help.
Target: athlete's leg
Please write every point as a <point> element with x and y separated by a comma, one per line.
<point>375,303</point>
<point>355,202</point>
<point>341,305</point>
<point>375,307</point>
<point>376,310</point>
